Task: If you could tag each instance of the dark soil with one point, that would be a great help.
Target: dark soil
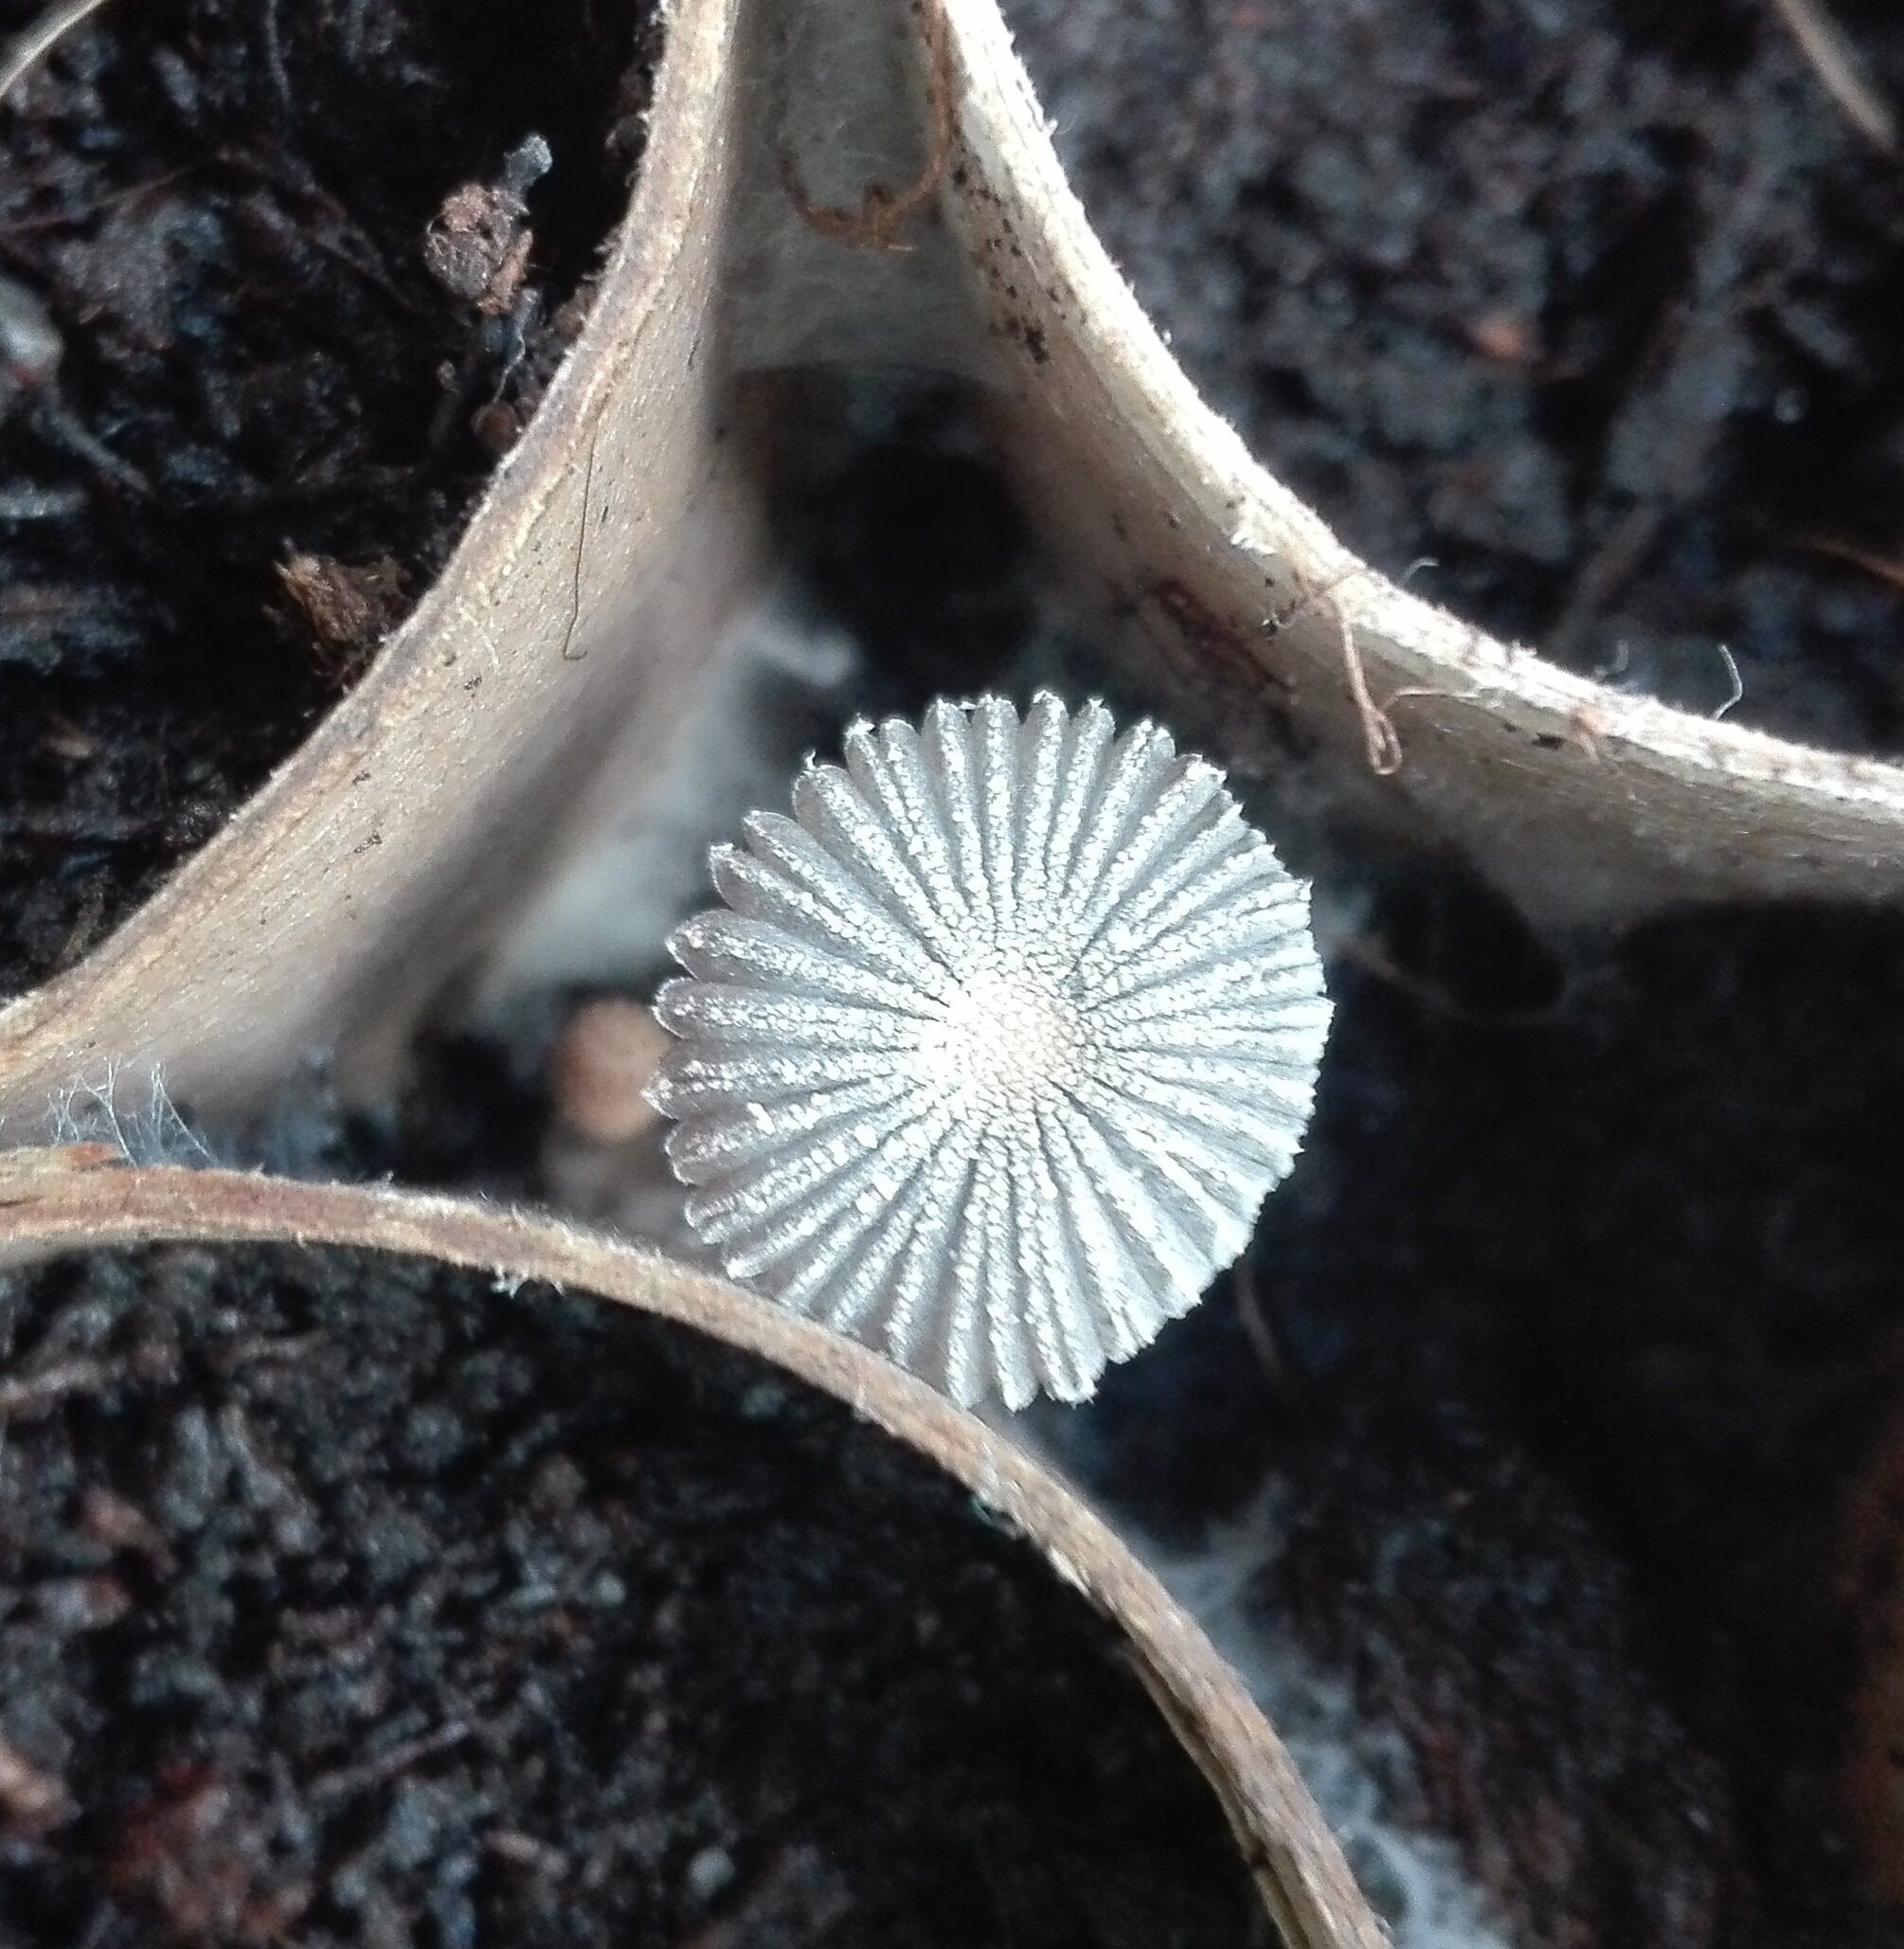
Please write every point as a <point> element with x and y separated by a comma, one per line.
<point>1561,1352</point>
<point>343,1599</point>
<point>258,361</point>
<point>1593,303</point>
<point>1563,1347</point>
<point>889,503</point>
<point>1581,1311</point>
<point>1564,1344</point>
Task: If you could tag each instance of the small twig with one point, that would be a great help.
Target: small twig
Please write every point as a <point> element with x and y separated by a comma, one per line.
<point>33,1395</point>
<point>274,60</point>
<point>1381,740</point>
<point>1841,69</point>
<point>62,426</point>
<point>790,1874</point>
<point>84,930</point>
<point>1614,560</point>
<point>68,827</point>
<point>31,47</point>
<point>72,215</point>
<point>1379,737</point>
<point>343,1782</point>
<point>351,245</point>
<point>1364,951</point>
<point>1256,1327</point>
<point>1686,326</point>
<point>1887,568</point>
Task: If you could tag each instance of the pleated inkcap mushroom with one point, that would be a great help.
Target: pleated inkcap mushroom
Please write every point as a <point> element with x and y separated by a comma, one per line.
<point>998,1045</point>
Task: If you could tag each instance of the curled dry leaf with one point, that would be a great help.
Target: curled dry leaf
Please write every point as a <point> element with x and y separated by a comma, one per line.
<point>830,183</point>
<point>351,607</point>
<point>478,246</point>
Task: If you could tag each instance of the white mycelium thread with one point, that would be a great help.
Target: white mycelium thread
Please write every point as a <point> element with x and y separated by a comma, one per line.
<point>1009,1030</point>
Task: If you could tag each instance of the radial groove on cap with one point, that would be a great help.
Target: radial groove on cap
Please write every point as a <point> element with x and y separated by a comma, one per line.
<point>998,1045</point>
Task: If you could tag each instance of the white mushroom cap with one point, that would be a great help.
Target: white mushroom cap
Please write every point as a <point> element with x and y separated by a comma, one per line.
<point>1007,1034</point>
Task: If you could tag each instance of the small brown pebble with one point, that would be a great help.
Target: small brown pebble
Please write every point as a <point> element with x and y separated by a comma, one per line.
<point>31,1797</point>
<point>65,740</point>
<point>497,427</point>
<point>1502,336</point>
<point>110,1518</point>
<point>603,1061</point>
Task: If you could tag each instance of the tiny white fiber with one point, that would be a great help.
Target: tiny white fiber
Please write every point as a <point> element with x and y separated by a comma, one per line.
<point>998,1045</point>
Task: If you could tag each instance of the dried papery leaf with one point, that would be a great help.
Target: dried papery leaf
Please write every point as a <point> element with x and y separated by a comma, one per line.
<point>1305,1883</point>
<point>565,634</point>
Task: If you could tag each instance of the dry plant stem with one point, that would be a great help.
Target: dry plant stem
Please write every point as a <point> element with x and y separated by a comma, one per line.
<point>1379,736</point>
<point>1300,1870</point>
<point>1828,48</point>
<point>32,47</point>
